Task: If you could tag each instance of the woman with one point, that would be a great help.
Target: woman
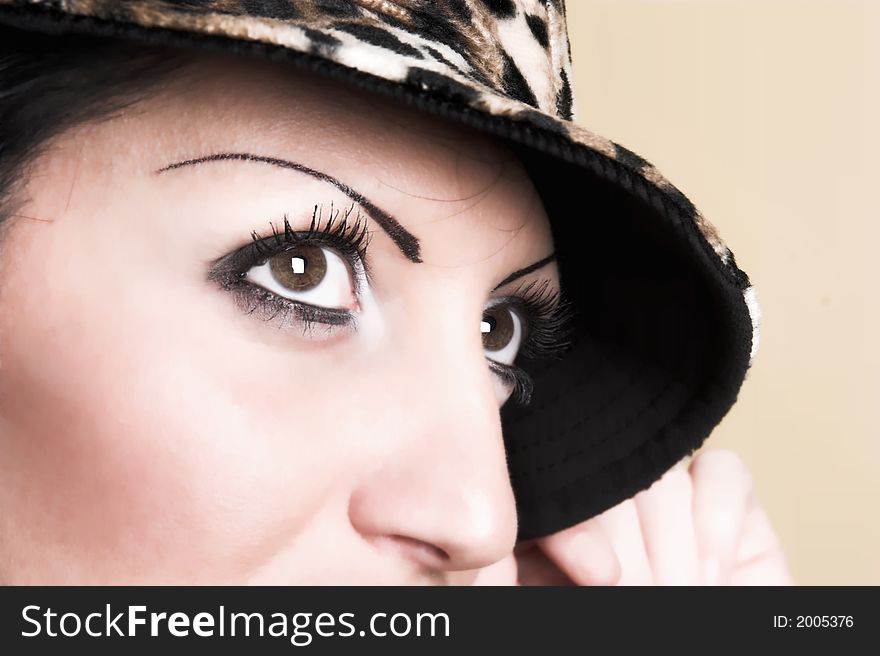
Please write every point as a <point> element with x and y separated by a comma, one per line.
<point>240,305</point>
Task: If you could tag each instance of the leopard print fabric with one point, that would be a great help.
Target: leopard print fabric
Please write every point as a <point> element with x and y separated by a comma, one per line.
<point>516,48</point>
<point>507,58</point>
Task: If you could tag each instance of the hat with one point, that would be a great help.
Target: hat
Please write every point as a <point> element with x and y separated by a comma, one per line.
<point>665,324</point>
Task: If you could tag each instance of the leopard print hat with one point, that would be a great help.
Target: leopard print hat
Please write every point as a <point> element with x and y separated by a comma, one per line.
<point>666,324</point>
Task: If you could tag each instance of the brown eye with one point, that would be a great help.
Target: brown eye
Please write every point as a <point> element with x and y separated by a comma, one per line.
<point>498,328</point>
<point>299,269</point>
<point>308,274</point>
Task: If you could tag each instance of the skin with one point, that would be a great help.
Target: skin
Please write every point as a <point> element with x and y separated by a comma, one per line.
<point>153,432</point>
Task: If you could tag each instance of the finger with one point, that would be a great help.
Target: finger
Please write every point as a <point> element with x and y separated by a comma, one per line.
<point>584,553</point>
<point>621,525</point>
<point>666,517</point>
<point>760,559</point>
<point>721,488</point>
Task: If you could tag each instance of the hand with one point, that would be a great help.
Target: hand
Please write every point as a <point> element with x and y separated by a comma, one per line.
<point>697,525</point>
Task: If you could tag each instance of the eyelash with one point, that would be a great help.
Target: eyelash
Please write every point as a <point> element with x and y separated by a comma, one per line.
<point>546,316</point>
<point>350,238</point>
<point>544,313</point>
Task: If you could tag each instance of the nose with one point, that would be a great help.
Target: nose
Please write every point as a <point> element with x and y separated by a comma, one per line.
<point>441,495</point>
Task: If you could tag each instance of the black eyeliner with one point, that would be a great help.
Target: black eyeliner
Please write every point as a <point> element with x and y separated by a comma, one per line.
<point>546,318</point>
<point>349,238</point>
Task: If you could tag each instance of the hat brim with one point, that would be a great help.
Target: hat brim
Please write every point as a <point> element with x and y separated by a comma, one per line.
<point>666,323</point>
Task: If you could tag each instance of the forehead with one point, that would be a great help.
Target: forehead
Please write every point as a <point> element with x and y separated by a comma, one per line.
<point>268,102</point>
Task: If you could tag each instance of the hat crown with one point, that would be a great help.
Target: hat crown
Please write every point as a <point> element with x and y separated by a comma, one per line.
<point>514,48</point>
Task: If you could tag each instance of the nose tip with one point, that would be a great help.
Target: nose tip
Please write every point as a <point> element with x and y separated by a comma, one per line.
<point>484,527</point>
<point>438,522</point>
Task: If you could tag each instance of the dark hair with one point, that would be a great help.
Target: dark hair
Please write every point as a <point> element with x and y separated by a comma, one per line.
<point>51,83</point>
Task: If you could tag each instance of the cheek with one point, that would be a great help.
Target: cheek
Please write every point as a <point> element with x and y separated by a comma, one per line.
<point>135,423</point>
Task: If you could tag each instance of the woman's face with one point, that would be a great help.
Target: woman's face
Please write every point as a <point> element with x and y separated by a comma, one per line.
<point>182,404</point>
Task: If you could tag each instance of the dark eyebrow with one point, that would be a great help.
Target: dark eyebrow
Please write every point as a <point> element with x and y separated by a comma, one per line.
<point>525,271</point>
<point>403,239</point>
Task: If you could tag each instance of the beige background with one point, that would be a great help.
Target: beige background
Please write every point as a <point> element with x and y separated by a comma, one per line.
<point>767,114</point>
